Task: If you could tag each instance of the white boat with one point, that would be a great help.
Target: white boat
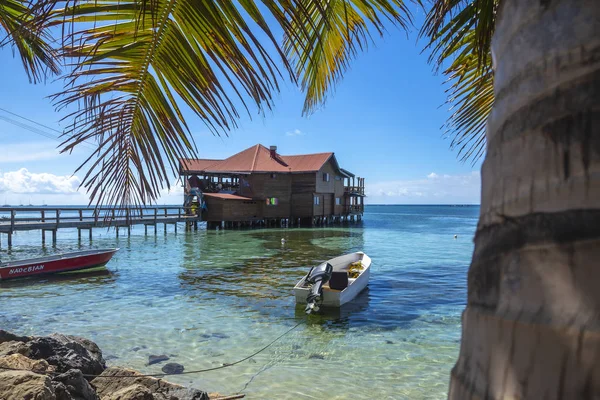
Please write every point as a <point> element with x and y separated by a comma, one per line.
<point>349,276</point>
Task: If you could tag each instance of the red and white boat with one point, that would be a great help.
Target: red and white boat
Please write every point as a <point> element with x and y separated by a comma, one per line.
<point>66,262</point>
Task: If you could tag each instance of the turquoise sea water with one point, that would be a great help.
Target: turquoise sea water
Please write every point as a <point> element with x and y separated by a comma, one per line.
<point>208,298</point>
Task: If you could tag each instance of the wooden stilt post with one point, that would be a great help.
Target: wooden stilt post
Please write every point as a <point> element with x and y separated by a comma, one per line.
<point>90,234</point>
<point>79,234</point>
<point>54,237</point>
<point>43,237</point>
<point>9,240</point>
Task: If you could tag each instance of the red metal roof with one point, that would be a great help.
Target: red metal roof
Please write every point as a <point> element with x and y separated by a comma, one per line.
<point>226,196</point>
<point>257,159</point>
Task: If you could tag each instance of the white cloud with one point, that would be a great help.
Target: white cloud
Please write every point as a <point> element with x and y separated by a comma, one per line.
<point>433,189</point>
<point>34,151</point>
<point>295,132</point>
<point>24,182</point>
<point>23,187</point>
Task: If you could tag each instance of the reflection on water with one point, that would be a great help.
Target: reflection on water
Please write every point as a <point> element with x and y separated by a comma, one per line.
<point>96,276</point>
<point>341,318</point>
<point>207,298</point>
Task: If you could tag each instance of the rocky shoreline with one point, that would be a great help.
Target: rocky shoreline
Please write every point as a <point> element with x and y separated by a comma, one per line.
<point>60,367</point>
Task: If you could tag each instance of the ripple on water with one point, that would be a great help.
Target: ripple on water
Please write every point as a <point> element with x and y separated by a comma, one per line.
<point>208,298</point>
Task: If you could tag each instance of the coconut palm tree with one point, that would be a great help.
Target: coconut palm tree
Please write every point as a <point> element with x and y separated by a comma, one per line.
<point>530,328</point>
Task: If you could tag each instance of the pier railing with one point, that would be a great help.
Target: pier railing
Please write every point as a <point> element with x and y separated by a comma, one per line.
<point>24,218</point>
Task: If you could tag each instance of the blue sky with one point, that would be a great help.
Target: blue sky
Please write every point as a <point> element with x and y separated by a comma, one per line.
<point>383,123</point>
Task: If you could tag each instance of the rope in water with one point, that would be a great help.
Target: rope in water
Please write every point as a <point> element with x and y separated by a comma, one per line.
<point>182,373</point>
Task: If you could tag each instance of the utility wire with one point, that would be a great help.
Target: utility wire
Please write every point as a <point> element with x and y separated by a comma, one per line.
<point>37,130</point>
<point>30,120</point>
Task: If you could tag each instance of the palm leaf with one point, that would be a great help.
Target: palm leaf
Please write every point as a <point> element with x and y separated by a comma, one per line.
<point>460,33</point>
<point>138,65</point>
<point>25,24</point>
<point>329,34</point>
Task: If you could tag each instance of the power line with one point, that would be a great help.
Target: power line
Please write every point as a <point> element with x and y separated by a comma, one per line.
<point>37,130</point>
<point>30,120</point>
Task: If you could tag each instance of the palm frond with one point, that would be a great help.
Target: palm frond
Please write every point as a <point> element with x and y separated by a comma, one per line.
<point>460,34</point>
<point>471,97</point>
<point>449,21</point>
<point>25,24</point>
<point>330,33</point>
<point>133,71</point>
<point>138,64</point>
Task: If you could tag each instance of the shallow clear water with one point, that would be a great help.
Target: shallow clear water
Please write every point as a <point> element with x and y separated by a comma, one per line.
<point>208,298</point>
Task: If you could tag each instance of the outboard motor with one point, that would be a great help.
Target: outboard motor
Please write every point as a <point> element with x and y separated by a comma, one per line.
<point>316,278</point>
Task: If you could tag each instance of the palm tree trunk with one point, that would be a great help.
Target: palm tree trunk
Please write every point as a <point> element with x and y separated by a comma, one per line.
<point>531,328</point>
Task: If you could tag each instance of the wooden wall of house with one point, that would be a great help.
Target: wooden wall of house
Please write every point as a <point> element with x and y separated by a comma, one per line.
<point>302,205</point>
<point>319,209</point>
<point>327,187</point>
<point>331,190</point>
<point>270,185</point>
<point>304,183</point>
<point>231,210</point>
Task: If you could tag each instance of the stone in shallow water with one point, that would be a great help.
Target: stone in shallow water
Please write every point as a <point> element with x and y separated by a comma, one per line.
<point>172,368</point>
<point>389,342</point>
<point>316,356</point>
<point>220,335</point>
<point>154,359</point>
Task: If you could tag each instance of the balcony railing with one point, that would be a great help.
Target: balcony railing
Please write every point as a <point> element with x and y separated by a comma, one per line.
<point>359,190</point>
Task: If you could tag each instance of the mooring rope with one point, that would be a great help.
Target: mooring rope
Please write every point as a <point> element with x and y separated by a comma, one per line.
<point>226,365</point>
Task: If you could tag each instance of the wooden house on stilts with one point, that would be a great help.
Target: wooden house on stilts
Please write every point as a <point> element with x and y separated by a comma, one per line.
<point>259,186</point>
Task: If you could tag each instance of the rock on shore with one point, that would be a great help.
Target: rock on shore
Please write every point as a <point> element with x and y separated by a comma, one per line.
<point>53,368</point>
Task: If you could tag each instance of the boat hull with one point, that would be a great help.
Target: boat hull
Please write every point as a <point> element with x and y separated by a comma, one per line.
<point>56,264</point>
<point>337,298</point>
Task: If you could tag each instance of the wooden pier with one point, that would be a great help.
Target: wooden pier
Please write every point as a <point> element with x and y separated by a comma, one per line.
<point>50,219</point>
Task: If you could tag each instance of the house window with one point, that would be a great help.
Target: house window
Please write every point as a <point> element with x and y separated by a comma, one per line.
<point>325,177</point>
<point>317,200</point>
<point>338,201</point>
<point>272,201</point>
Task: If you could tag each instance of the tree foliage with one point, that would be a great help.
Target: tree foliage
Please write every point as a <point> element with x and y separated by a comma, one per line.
<point>460,35</point>
<point>23,25</point>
